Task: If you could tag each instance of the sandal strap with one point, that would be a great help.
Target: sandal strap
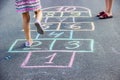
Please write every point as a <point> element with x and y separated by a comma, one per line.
<point>100,13</point>
<point>104,15</point>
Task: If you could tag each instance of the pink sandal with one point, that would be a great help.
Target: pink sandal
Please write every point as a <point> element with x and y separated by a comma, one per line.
<point>105,16</point>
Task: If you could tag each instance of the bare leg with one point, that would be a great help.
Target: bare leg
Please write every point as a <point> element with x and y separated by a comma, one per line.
<point>26,26</point>
<point>106,5</point>
<point>109,9</point>
<point>105,10</point>
<point>38,15</point>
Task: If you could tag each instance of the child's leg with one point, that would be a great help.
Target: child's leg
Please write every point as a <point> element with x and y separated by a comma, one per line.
<point>26,26</point>
<point>105,10</point>
<point>109,11</point>
<point>109,7</point>
<point>38,15</point>
<point>106,5</point>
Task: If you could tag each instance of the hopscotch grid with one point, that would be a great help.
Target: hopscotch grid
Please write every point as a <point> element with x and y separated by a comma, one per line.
<point>23,65</point>
<point>87,11</point>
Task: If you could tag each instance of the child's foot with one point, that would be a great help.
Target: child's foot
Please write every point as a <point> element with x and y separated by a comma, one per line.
<point>28,44</point>
<point>105,16</point>
<point>39,27</point>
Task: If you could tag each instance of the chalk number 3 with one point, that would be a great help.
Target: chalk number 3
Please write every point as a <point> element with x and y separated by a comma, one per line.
<point>72,45</point>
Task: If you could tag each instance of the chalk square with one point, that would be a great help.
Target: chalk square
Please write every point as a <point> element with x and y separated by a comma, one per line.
<point>57,19</point>
<point>65,14</point>
<point>18,45</point>
<point>58,59</point>
<point>78,26</point>
<point>77,45</point>
<point>55,34</point>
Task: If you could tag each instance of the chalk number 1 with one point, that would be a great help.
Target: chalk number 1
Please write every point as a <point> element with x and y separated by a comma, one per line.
<point>51,58</point>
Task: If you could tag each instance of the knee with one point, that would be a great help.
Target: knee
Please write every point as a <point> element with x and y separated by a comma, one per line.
<point>37,12</point>
<point>26,17</point>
